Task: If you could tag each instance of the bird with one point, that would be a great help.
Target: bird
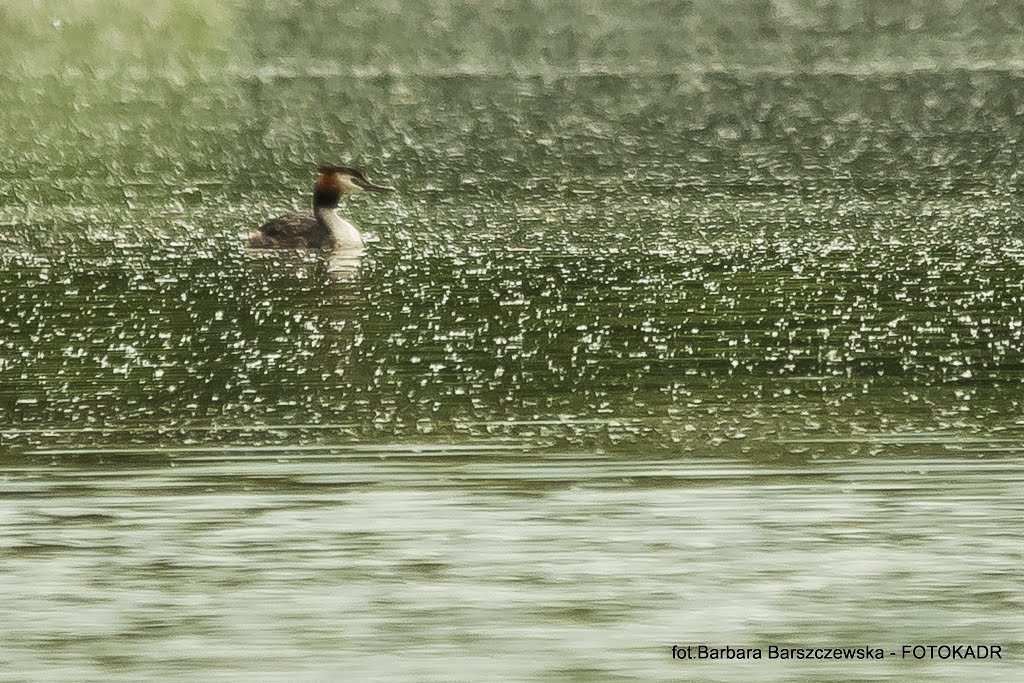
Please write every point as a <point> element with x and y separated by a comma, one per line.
<point>321,228</point>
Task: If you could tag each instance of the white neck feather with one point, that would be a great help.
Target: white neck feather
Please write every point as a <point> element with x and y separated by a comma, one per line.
<point>345,234</point>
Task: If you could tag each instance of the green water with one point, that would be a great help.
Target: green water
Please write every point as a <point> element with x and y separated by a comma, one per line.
<point>660,342</point>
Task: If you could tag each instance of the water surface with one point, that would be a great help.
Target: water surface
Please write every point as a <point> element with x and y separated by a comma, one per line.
<point>636,357</point>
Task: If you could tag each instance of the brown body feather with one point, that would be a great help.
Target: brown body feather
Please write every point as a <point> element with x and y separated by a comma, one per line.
<point>298,230</point>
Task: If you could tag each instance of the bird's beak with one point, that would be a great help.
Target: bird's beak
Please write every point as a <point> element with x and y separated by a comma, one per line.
<point>371,187</point>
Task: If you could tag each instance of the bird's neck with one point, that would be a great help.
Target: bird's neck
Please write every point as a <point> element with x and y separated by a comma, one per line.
<point>344,233</point>
<point>326,196</point>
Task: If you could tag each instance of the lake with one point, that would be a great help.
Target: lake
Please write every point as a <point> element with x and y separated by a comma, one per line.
<point>642,353</point>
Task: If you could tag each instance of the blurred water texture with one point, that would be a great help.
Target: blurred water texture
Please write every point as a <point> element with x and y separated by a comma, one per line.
<point>677,299</point>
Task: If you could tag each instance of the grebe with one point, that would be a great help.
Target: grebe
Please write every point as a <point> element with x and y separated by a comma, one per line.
<point>321,228</point>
